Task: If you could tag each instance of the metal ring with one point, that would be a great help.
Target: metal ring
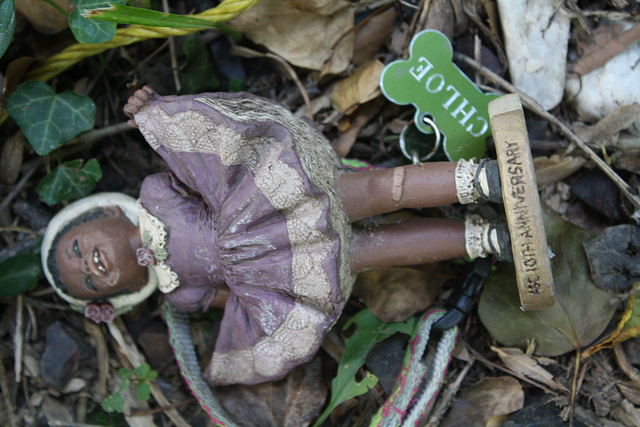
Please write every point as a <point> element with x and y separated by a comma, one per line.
<point>414,155</point>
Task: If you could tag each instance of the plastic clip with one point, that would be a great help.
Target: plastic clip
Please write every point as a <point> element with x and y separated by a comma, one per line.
<point>461,301</point>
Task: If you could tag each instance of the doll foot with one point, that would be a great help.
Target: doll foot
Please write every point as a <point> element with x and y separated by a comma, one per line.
<point>476,182</point>
<point>137,102</point>
<point>483,238</point>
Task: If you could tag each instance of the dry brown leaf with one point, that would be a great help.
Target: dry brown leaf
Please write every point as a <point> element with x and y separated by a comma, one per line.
<point>395,294</point>
<point>44,17</point>
<point>485,401</point>
<point>550,170</point>
<point>525,365</point>
<point>292,401</point>
<point>606,42</point>
<point>11,158</point>
<point>371,36</point>
<point>627,414</point>
<point>306,34</point>
<point>347,138</point>
<point>630,391</point>
<point>360,87</point>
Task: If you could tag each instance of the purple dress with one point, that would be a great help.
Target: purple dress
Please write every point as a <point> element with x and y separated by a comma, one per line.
<point>248,203</point>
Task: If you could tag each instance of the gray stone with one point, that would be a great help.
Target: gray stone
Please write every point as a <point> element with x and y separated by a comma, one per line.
<point>64,351</point>
<point>536,36</point>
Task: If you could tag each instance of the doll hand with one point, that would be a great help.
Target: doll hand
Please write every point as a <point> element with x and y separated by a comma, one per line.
<point>100,312</point>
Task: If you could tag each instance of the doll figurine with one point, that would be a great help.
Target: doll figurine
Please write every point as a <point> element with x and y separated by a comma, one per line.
<point>255,207</point>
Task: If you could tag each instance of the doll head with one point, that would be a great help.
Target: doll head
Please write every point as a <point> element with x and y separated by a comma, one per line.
<point>89,256</point>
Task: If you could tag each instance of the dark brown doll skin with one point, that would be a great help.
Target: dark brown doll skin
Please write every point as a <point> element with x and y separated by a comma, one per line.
<point>363,194</point>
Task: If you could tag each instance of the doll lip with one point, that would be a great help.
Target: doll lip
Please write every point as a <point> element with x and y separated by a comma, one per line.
<point>99,264</point>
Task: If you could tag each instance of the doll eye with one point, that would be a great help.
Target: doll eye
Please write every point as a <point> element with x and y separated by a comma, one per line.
<point>76,249</point>
<point>89,284</point>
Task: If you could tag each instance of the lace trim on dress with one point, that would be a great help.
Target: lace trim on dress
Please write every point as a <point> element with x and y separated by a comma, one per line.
<point>154,238</point>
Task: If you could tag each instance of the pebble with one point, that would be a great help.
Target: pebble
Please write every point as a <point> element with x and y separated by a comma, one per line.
<point>64,350</point>
<point>536,48</point>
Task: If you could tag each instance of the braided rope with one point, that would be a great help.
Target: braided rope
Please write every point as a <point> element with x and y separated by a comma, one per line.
<point>182,344</point>
<point>73,54</point>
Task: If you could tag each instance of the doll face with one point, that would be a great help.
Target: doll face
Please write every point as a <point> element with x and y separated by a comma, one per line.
<point>97,258</point>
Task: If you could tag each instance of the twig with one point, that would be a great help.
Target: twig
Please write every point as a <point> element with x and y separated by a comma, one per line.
<point>487,362</point>
<point>164,408</point>
<point>18,187</point>
<point>533,105</point>
<point>172,52</point>
<point>102,356</point>
<point>95,134</point>
<point>249,53</point>
<point>625,366</point>
<point>445,401</point>
<point>6,394</point>
<point>18,339</point>
<point>19,230</point>
<point>136,358</point>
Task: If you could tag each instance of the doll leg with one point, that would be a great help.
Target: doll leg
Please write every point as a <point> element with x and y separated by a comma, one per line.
<point>425,240</point>
<point>434,184</point>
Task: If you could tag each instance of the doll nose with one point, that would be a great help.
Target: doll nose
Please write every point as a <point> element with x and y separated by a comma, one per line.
<point>84,267</point>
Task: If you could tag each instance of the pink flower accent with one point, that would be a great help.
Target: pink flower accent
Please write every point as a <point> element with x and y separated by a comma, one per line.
<point>100,312</point>
<point>107,312</point>
<point>92,311</point>
<point>146,257</point>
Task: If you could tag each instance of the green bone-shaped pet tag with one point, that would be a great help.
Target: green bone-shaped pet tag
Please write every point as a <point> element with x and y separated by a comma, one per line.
<point>440,90</point>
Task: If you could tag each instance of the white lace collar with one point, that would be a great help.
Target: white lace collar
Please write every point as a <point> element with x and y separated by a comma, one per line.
<point>154,237</point>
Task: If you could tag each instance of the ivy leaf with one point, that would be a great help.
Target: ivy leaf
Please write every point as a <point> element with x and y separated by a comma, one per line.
<point>198,74</point>
<point>19,274</point>
<point>69,181</point>
<point>91,31</point>
<point>581,313</point>
<point>7,24</point>
<point>47,119</point>
<point>369,332</point>
<point>143,390</point>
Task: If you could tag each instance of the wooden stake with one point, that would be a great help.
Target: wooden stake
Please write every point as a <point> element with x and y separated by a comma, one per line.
<point>522,203</point>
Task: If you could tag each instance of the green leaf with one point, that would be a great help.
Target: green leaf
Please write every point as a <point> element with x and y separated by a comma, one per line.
<point>143,390</point>
<point>47,119</point>
<point>151,376</point>
<point>7,24</point>
<point>582,310</point>
<point>69,181</point>
<point>120,14</point>
<point>369,331</point>
<point>19,274</point>
<point>198,74</point>
<point>91,31</point>
<point>142,370</point>
<point>125,373</point>
<point>113,403</point>
<point>124,384</point>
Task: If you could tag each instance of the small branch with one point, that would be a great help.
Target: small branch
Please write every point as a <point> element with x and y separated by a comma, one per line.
<point>136,359</point>
<point>249,53</point>
<point>445,401</point>
<point>18,339</point>
<point>533,105</point>
<point>172,52</point>
<point>6,395</point>
<point>625,366</point>
<point>96,134</point>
